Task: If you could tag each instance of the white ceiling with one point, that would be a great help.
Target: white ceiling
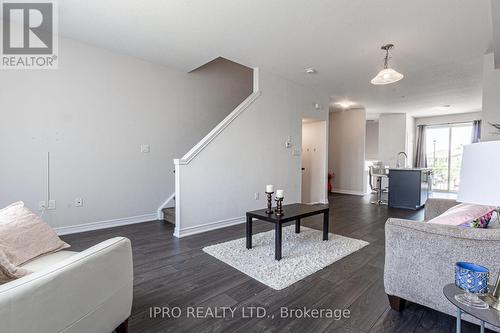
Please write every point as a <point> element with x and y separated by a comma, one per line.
<point>439,43</point>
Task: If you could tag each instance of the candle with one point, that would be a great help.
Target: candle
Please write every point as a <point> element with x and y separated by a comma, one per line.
<point>280,193</point>
<point>269,188</point>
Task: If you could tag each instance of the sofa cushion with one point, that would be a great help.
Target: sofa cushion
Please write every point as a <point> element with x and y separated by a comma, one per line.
<point>462,214</point>
<point>25,236</point>
<point>45,261</point>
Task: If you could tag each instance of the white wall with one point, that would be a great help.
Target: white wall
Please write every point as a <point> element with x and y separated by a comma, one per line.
<point>92,114</point>
<point>314,161</point>
<point>218,186</point>
<point>491,99</point>
<point>396,134</point>
<point>371,141</point>
<point>347,151</point>
<point>495,20</point>
<point>392,137</point>
<point>410,140</point>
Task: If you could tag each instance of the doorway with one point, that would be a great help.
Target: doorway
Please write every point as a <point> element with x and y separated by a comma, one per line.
<point>444,147</point>
<point>314,161</point>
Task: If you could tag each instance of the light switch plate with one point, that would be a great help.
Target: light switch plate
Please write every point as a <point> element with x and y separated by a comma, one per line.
<point>145,149</point>
<point>52,204</point>
<point>42,205</point>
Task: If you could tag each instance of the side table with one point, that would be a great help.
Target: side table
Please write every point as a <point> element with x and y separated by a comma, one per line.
<point>490,316</point>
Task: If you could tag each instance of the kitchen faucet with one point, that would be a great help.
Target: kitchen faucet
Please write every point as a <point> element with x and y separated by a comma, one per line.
<point>398,164</point>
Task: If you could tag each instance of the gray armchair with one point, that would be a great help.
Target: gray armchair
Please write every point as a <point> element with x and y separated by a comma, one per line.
<point>420,257</point>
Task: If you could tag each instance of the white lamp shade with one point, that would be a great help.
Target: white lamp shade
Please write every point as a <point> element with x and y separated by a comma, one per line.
<point>386,76</point>
<point>480,174</point>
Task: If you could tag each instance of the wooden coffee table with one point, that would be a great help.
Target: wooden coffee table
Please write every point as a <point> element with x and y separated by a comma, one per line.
<point>292,212</point>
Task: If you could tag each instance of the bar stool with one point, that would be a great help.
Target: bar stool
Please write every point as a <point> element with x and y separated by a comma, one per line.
<point>378,174</point>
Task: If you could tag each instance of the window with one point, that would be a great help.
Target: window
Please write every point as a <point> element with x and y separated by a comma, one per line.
<point>444,145</point>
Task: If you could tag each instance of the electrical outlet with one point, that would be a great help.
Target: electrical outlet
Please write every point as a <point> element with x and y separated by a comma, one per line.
<point>42,205</point>
<point>145,149</point>
<point>52,204</point>
<point>78,202</point>
<point>256,195</point>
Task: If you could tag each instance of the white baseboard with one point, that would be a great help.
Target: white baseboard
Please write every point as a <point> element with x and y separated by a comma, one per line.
<point>215,225</point>
<point>360,193</point>
<point>73,229</point>
<point>323,202</point>
<point>207,227</point>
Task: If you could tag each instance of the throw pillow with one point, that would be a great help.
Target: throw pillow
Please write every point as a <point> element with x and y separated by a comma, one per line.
<point>481,222</point>
<point>8,271</point>
<point>25,236</point>
<point>463,214</point>
<point>9,212</point>
<point>495,222</point>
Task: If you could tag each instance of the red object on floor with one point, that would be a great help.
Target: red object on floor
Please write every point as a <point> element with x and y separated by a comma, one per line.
<point>330,176</point>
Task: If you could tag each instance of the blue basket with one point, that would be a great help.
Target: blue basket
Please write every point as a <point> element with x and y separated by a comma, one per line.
<point>472,277</point>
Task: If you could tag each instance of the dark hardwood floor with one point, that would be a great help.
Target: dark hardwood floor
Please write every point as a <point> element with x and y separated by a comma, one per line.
<point>176,273</point>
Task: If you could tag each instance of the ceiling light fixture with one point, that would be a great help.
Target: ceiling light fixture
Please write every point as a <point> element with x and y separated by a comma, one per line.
<point>445,107</point>
<point>344,104</point>
<point>387,75</point>
<point>310,70</point>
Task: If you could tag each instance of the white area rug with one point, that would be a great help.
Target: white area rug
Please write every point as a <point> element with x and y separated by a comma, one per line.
<point>302,255</point>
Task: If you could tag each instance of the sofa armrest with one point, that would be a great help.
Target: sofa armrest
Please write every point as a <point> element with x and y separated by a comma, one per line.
<point>436,207</point>
<point>420,258</point>
<point>90,291</point>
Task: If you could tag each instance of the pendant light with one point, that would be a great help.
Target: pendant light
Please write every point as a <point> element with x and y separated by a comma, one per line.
<point>387,75</point>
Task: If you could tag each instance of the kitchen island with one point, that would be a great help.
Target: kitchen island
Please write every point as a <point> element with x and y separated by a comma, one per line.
<point>408,187</point>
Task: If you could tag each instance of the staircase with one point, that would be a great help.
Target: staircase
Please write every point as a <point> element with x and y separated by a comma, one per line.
<point>185,190</point>
<point>169,215</point>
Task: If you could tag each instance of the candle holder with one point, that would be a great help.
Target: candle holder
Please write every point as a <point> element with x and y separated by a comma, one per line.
<point>279,207</point>
<point>269,209</point>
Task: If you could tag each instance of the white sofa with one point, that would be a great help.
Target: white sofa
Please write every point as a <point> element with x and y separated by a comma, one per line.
<point>88,291</point>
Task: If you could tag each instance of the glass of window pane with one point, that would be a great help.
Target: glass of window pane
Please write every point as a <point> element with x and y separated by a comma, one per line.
<point>460,136</point>
<point>437,146</point>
